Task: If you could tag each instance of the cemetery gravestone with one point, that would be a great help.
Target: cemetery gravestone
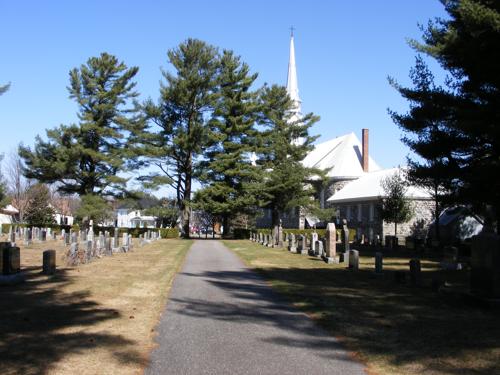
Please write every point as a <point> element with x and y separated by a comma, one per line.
<point>319,249</point>
<point>314,239</point>
<point>49,262</point>
<point>291,243</point>
<point>379,263</point>
<point>485,264</point>
<point>354,260</point>
<point>415,272</point>
<point>280,235</point>
<point>331,243</point>
<point>10,259</point>
<point>345,236</point>
<point>302,245</point>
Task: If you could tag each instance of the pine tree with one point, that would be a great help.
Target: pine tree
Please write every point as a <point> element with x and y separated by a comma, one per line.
<point>39,210</point>
<point>86,158</point>
<point>178,131</point>
<point>94,207</point>
<point>229,177</point>
<point>454,128</point>
<point>285,180</point>
<point>395,207</point>
<point>4,88</point>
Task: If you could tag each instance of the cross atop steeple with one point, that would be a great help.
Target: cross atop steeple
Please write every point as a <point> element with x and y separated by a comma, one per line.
<point>291,31</point>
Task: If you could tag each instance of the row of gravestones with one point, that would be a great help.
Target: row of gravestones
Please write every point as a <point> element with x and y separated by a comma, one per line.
<point>485,256</point>
<point>148,237</point>
<point>69,237</point>
<point>91,246</point>
<point>104,244</point>
<point>326,249</point>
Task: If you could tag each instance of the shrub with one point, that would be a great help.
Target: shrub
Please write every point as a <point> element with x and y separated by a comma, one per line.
<point>241,233</point>
<point>169,233</point>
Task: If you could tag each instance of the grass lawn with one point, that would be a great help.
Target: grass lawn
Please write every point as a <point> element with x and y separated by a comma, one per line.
<point>97,318</point>
<point>393,328</point>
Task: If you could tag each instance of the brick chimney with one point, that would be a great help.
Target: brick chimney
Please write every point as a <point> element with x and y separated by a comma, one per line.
<point>364,154</point>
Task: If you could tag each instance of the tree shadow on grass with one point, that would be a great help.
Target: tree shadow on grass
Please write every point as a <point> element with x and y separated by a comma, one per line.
<point>33,315</point>
<point>414,328</point>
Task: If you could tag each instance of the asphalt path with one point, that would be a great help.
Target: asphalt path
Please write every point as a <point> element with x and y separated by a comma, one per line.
<point>222,318</point>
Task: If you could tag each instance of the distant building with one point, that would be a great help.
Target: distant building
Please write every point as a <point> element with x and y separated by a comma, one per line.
<point>133,218</point>
<point>7,214</point>
<point>359,202</point>
<point>63,219</point>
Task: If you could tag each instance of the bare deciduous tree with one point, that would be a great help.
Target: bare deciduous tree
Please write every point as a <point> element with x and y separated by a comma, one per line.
<point>17,185</point>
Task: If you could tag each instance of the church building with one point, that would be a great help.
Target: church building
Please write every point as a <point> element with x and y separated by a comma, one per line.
<point>354,182</point>
<point>345,158</point>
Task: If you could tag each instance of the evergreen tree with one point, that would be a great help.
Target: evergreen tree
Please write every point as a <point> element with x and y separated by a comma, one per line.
<point>39,210</point>
<point>229,177</point>
<point>285,179</point>
<point>395,207</point>
<point>4,88</point>
<point>181,117</point>
<point>454,127</point>
<point>86,158</point>
<point>94,207</point>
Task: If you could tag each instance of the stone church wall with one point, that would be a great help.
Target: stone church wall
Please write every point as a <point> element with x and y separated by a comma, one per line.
<point>365,218</point>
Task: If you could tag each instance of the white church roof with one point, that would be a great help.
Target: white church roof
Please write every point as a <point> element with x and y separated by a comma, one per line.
<point>369,187</point>
<point>342,155</point>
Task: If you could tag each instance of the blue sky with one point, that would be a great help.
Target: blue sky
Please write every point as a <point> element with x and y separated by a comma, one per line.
<point>344,50</point>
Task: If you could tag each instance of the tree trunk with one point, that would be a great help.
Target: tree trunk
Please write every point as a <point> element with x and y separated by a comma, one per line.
<point>225,226</point>
<point>395,229</point>
<point>275,217</point>
<point>186,208</point>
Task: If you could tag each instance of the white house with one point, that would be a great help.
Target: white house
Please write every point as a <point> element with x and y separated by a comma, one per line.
<point>129,218</point>
<point>7,213</point>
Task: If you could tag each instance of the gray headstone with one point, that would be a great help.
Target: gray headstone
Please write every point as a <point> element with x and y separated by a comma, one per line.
<point>379,262</point>
<point>331,243</point>
<point>485,264</point>
<point>301,246</point>
<point>415,272</point>
<point>292,247</point>
<point>345,236</point>
<point>49,262</point>
<point>314,239</point>
<point>319,248</point>
<point>354,260</point>
<point>280,235</point>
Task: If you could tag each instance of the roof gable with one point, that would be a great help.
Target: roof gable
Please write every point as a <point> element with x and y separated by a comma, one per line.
<point>342,155</point>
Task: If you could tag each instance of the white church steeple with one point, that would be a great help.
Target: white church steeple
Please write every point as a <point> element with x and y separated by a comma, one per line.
<point>292,85</point>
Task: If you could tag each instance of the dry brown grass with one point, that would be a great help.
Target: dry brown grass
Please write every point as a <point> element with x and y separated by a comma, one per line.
<point>395,329</point>
<point>97,318</point>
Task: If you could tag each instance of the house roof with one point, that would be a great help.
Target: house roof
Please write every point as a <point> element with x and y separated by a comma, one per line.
<point>10,210</point>
<point>369,187</point>
<point>342,155</point>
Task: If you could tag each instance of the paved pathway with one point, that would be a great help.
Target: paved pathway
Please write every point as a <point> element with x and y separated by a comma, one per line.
<point>222,318</point>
